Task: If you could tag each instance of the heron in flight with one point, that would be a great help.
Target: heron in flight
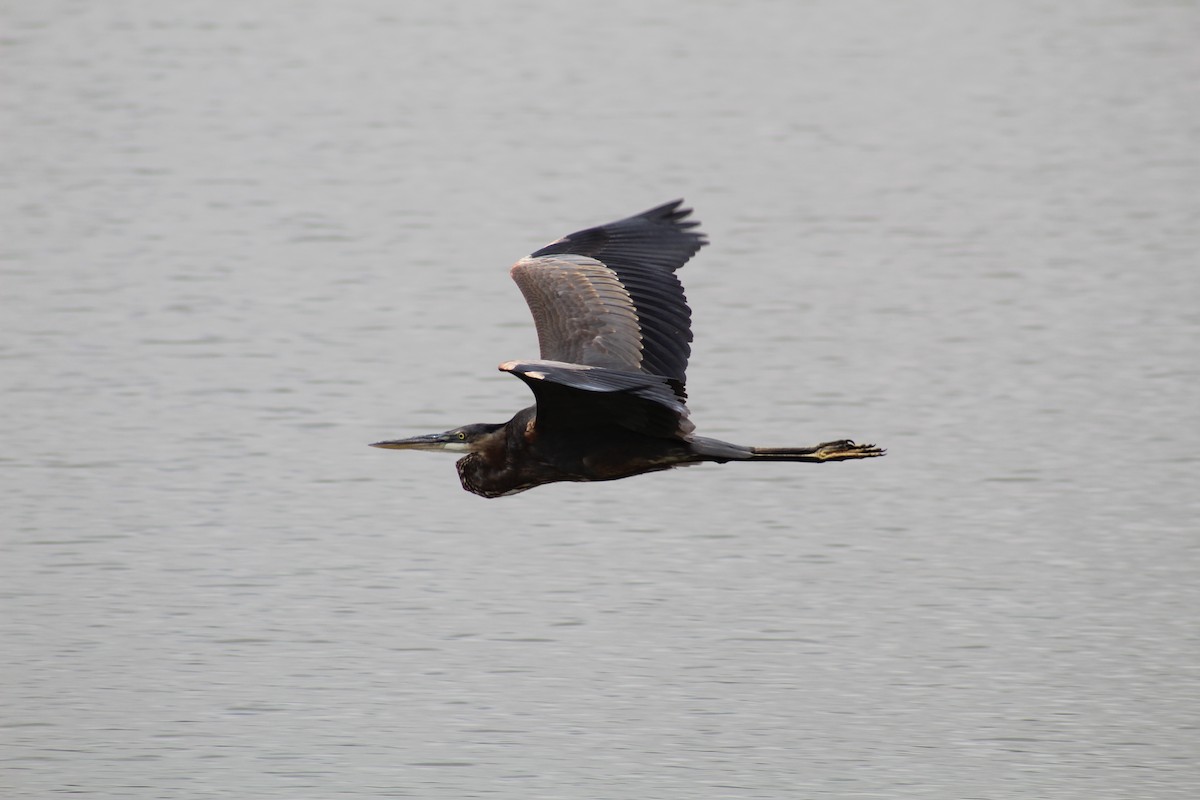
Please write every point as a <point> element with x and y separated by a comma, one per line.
<point>614,330</point>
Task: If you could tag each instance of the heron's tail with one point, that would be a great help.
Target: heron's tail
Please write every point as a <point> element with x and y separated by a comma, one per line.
<point>840,450</point>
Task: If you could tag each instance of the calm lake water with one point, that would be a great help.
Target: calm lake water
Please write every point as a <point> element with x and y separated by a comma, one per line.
<point>243,240</point>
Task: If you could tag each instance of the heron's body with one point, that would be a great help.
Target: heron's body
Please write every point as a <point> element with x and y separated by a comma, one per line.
<point>514,457</point>
<point>615,332</point>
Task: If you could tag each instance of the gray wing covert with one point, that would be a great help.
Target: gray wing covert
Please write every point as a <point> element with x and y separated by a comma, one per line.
<point>582,312</point>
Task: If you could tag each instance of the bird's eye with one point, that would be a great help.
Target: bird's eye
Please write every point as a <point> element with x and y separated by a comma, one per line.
<point>462,437</point>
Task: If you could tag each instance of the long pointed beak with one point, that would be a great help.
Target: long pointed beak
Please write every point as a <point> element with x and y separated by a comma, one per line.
<point>434,442</point>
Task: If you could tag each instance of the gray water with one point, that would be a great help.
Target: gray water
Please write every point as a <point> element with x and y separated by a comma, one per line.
<point>243,240</point>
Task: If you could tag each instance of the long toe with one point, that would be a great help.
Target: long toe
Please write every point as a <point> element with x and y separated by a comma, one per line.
<point>845,450</point>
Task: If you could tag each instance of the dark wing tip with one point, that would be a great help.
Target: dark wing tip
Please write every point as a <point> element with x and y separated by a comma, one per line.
<point>665,223</point>
<point>672,214</point>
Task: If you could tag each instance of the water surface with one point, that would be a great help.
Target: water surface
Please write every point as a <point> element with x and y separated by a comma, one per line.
<point>242,242</point>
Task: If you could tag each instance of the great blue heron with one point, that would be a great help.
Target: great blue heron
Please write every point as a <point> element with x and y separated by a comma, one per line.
<point>614,329</point>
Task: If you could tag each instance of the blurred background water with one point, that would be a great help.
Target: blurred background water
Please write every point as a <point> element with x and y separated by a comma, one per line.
<point>243,240</point>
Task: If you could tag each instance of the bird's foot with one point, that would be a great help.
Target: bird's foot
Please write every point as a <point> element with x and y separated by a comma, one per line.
<point>845,449</point>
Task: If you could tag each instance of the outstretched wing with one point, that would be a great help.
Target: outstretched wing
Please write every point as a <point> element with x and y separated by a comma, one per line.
<point>574,396</point>
<point>608,296</point>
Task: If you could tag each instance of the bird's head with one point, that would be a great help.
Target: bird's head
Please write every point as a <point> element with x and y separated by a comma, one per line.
<point>467,439</point>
